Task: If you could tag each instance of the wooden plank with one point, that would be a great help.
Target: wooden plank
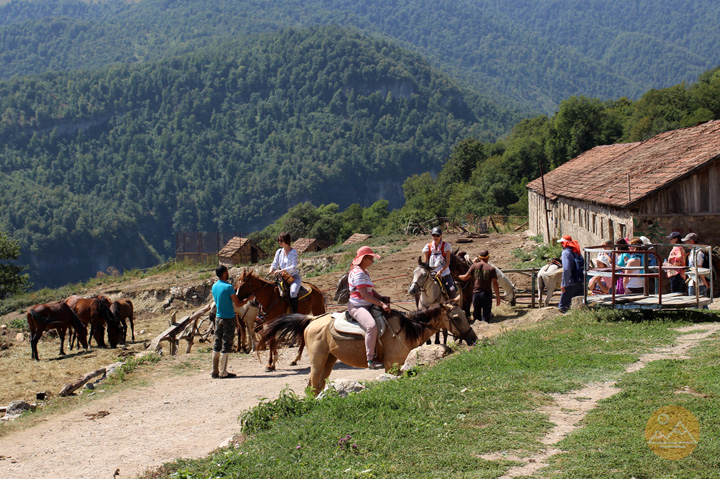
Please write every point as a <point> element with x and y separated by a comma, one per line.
<point>173,330</point>
<point>69,388</point>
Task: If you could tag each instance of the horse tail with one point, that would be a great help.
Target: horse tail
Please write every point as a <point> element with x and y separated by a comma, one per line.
<point>33,319</point>
<point>76,323</point>
<point>289,328</point>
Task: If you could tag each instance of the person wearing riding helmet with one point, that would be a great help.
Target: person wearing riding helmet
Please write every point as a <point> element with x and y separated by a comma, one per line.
<point>362,297</point>
<point>286,259</point>
<point>437,256</point>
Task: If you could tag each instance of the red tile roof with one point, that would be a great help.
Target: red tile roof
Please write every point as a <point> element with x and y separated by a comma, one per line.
<point>232,246</point>
<point>600,175</point>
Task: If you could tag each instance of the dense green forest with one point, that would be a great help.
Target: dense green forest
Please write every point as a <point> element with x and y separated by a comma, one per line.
<point>528,55</point>
<point>105,166</point>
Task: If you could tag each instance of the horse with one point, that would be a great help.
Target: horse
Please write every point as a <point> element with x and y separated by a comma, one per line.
<point>403,333</point>
<point>96,312</point>
<point>549,278</point>
<point>247,315</point>
<point>272,304</point>
<point>59,316</point>
<point>426,288</point>
<point>123,309</point>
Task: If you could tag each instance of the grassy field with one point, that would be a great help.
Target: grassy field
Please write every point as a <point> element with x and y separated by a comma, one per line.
<point>440,421</point>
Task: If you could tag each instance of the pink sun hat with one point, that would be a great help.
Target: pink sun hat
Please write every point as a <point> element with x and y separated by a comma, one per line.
<point>362,252</point>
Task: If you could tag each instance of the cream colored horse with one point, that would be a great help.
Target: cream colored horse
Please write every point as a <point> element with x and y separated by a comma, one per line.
<point>404,333</point>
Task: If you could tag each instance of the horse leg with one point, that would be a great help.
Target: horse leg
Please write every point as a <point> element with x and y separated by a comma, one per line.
<point>123,325</point>
<point>301,346</point>
<point>272,356</point>
<point>34,338</point>
<point>61,335</point>
<point>132,326</point>
<point>329,364</point>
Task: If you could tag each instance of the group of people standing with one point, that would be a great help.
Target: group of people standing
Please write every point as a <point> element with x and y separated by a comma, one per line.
<point>627,254</point>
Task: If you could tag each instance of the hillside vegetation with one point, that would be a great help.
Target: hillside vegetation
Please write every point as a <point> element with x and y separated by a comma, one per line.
<point>105,166</point>
<point>528,54</point>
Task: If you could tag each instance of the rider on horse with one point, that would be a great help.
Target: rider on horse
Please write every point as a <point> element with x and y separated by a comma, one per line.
<point>285,267</point>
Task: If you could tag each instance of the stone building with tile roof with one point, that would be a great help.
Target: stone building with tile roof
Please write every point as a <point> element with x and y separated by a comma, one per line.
<point>309,245</point>
<point>240,251</point>
<point>670,182</point>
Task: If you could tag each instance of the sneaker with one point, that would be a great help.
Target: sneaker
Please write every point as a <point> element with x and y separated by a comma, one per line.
<point>375,365</point>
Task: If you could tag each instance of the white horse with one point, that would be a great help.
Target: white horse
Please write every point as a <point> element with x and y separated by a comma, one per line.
<point>549,278</point>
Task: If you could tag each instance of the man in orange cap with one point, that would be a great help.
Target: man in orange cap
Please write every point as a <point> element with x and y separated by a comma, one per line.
<point>572,278</point>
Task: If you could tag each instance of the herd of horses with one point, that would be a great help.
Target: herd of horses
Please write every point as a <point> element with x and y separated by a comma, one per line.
<point>75,314</point>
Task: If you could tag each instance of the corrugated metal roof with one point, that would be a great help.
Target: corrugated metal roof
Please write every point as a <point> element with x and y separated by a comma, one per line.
<point>600,175</point>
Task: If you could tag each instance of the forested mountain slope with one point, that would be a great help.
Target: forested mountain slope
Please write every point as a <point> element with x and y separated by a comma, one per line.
<point>101,168</point>
<point>530,54</point>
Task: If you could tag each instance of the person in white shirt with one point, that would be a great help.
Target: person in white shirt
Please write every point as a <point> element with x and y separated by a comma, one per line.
<point>286,260</point>
<point>437,256</point>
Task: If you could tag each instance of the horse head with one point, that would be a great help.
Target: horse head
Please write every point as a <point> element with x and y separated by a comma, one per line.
<point>456,322</point>
<point>249,284</point>
<point>113,323</point>
<point>420,276</point>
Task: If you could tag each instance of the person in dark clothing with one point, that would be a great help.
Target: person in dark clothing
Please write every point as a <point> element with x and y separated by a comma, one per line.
<point>485,283</point>
<point>571,285</point>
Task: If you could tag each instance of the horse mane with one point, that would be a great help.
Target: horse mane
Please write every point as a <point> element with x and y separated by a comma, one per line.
<point>416,323</point>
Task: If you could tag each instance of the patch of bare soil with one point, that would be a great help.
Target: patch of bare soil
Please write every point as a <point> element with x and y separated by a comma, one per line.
<point>187,415</point>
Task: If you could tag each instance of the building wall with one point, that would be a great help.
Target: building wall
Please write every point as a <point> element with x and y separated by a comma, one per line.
<point>587,223</point>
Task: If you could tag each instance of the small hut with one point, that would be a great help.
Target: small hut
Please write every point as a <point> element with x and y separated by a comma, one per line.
<point>357,238</point>
<point>240,251</point>
<point>309,245</point>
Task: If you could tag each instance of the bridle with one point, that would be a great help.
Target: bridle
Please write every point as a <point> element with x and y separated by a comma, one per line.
<point>424,287</point>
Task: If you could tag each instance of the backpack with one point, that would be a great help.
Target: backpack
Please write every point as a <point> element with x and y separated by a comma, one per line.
<point>342,293</point>
<point>578,270</point>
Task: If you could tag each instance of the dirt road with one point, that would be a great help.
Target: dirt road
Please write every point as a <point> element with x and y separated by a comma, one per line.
<point>142,428</point>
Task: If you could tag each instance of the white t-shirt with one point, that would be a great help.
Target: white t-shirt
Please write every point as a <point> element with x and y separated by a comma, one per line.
<point>437,257</point>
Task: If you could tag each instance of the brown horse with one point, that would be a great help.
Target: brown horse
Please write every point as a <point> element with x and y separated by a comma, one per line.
<point>96,312</point>
<point>404,333</point>
<point>59,316</point>
<point>267,295</point>
<point>123,309</point>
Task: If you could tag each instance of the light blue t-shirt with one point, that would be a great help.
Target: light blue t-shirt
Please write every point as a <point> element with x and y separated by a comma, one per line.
<point>222,292</point>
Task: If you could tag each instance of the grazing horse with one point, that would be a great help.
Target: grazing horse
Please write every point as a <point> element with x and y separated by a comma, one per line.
<point>267,295</point>
<point>549,278</point>
<point>404,333</point>
<point>96,312</point>
<point>123,309</point>
<point>60,316</point>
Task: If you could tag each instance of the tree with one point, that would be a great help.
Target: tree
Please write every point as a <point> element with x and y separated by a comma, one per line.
<point>12,281</point>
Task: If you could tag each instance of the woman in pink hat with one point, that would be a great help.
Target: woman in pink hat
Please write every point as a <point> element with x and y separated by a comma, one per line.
<point>362,297</point>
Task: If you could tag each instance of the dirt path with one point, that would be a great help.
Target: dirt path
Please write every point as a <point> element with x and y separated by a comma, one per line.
<point>142,428</point>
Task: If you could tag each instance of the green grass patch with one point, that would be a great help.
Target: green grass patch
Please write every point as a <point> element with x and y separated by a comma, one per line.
<point>438,422</point>
<point>613,437</point>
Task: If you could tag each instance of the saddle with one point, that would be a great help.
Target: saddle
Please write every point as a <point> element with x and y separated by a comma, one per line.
<point>438,280</point>
<point>344,326</point>
<point>303,292</point>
